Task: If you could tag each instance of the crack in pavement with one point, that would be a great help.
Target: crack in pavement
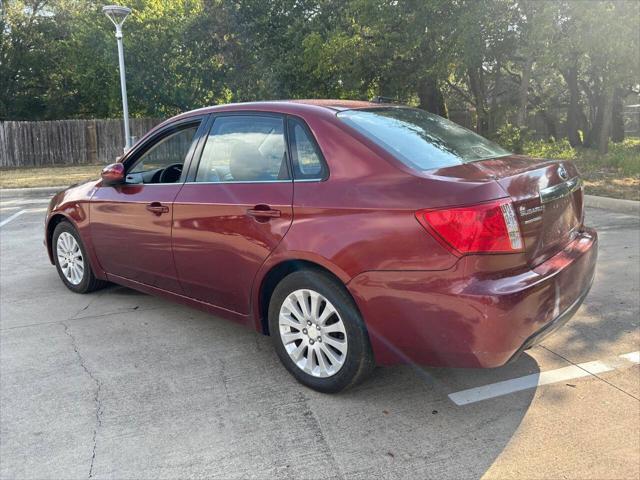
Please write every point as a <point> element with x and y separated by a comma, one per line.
<point>590,373</point>
<point>225,379</point>
<point>96,296</point>
<point>314,424</point>
<point>96,397</point>
<point>87,317</point>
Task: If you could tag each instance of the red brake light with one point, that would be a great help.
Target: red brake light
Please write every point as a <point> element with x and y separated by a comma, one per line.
<point>485,228</point>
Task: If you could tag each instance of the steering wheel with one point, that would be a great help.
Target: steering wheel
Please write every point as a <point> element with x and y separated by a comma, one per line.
<point>171,174</point>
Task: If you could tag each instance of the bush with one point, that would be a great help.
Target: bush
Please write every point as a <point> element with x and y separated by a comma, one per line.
<point>623,157</point>
<point>560,150</point>
<point>511,137</point>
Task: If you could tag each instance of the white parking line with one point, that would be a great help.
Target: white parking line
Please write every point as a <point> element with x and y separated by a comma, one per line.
<point>498,389</point>
<point>12,217</point>
<point>21,212</point>
<point>632,357</point>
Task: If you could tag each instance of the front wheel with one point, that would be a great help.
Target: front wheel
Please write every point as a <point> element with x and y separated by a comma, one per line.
<point>71,260</point>
<point>318,332</point>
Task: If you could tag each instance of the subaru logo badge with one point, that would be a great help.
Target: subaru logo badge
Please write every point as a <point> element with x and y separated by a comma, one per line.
<point>562,172</point>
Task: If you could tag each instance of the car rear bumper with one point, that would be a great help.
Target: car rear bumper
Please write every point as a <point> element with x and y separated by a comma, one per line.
<point>466,317</point>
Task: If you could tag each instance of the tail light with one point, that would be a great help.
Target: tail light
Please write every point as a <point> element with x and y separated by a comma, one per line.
<point>484,228</point>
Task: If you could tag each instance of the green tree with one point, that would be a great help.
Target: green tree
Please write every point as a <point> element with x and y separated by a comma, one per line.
<point>499,59</point>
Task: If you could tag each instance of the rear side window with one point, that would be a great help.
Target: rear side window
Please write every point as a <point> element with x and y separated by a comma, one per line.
<point>307,160</point>
<point>244,148</point>
<point>419,139</point>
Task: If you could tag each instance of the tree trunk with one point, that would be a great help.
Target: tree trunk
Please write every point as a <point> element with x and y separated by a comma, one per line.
<point>596,107</point>
<point>617,120</point>
<point>571,77</point>
<point>431,98</point>
<point>550,123</point>
<point>495,112</point>
<point>476,85</point>
<point>605,126</point>
<point>523,93</point>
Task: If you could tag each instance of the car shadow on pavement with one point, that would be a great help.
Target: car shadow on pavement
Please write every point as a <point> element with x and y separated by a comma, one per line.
<point>176,361</point>
<point>138,386</point>
<point>404,413</point>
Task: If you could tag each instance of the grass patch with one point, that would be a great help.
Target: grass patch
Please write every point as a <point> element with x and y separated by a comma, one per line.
<point>47,176</point>
<point>616,174</point>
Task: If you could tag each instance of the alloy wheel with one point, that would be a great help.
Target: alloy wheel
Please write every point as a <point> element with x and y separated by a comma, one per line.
<point>312,332</point>
<point>70,258</point>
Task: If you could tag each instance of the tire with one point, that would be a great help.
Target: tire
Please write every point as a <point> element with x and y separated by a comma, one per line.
<point>351,363</point>
<point>79,283</point>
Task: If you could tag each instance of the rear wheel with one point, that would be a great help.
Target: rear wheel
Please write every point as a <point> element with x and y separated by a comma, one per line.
<point>318,332</point>
<point>71,260</point>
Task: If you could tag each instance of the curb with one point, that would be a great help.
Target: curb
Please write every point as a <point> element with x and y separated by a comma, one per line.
<point>621,206</point>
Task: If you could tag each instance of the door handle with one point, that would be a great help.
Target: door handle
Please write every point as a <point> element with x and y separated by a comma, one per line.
<point>157,208</point>
<point>263,211</point>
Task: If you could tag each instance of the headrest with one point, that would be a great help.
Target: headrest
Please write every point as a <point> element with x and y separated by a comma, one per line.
<point>247,163</point>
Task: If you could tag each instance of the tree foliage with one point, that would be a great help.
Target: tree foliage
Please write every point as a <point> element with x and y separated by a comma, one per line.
<point>500,59</point>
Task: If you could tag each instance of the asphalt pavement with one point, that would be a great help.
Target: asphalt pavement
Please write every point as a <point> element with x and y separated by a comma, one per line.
<point>118,384</point>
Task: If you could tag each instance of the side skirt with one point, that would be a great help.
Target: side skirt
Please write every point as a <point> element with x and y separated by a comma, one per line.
<point>188,301</point>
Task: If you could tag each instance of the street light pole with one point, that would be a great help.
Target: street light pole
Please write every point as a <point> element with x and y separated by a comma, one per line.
<point>118,15</point>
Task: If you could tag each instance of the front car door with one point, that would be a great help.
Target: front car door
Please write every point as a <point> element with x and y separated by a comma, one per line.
<point>234,210</point>
<point>131,223</point>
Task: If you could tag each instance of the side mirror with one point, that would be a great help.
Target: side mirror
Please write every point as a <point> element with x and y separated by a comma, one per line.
<point>113,174</point>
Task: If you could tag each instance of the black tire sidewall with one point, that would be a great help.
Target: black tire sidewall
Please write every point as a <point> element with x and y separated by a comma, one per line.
<point>359,357</point>
<point>84,285</point>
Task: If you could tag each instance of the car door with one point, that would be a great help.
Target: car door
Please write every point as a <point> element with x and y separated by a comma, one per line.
<point>131,223</point>
<point>234,209</point>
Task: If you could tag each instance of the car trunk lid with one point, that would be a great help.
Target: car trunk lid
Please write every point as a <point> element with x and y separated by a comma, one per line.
<point>547,197</point>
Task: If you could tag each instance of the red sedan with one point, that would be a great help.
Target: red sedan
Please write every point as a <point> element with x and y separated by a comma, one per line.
<point>353,233</point>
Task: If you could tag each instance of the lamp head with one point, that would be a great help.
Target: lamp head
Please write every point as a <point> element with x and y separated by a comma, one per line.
<point>116,13</point>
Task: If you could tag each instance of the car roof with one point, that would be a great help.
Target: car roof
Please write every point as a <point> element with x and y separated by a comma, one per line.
<point>282,106</point>
<point>336,104</point>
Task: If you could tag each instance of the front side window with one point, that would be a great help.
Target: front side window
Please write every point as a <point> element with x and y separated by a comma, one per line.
<point>244,148</point>
<point>420,139</point>
<point>305,154</point>
<point>163,162</point>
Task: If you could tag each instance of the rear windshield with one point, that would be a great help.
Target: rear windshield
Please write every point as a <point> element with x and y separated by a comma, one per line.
<point>420,139</point>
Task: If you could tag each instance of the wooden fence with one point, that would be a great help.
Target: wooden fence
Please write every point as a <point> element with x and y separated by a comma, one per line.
<point>78,142</point>
<point>66,142</point>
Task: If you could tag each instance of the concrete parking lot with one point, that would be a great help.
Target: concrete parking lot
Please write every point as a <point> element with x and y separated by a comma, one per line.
<point>118,384</point>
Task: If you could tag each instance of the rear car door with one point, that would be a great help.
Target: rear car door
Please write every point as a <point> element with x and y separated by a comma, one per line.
<point>234,209</point>
<point>131,223</point>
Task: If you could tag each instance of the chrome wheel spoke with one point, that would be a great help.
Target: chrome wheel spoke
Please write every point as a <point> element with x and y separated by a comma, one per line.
<point>302,301</point>
<point>322,362</point>
<point>339,345</point>
<point>327,313</point>
<point>76,274</point>
<point>337,327</point>
<point>298,352</point>
<point>318,349</point>
<point>316,300</point>
<point>287,320</point>
<point>291,337</point>
<point>333,358</point>
<point>292,307</point>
